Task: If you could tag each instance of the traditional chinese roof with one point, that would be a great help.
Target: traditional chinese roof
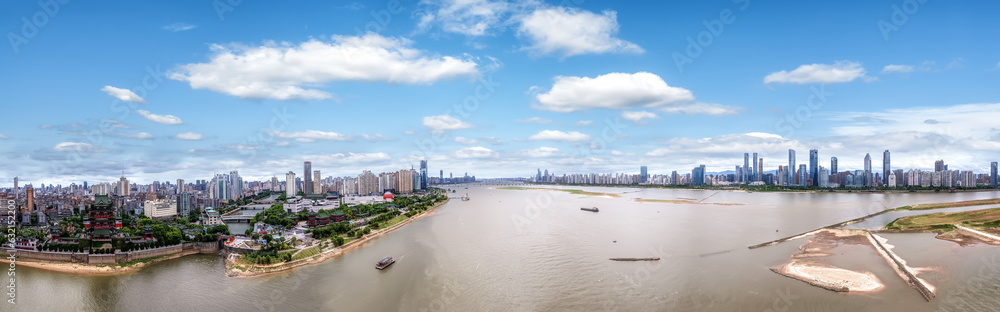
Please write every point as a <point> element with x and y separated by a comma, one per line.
<point>102,200</point>
<point>101,232</point>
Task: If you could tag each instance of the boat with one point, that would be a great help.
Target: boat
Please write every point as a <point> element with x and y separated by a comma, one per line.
<point>384,263</point>
<point>593,209</point>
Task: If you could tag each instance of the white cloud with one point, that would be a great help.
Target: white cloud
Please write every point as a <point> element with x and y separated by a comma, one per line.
<point>190,136</point>
<point>535,120</point>
<point>286,71</point>
<point>838,72</point>
<point>571,31</point>
<point>175,27</point>
<point>312,136</point>
<point>620,153</point>
<point>542,152</point>
<point>349,158</point>
<point>140,135</point>
<point>409,132</point>
<point>241,147</point>
<point>476,152</point>
<point>465,141</point>
<point>467,17</point>
<point>584,123</point>
<point>898,69</point>
<point>3,137</point>
<point>611,91</point>
<point>637,117</point>
<point>160,119</point>
<point>375,137</point>
<point>556,135</point>
<point>123,94</point>
<point>440,123</point>
<point>703,108</point>
<point>74,147</point>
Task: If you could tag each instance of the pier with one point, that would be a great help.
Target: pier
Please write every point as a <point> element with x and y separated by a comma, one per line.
<point>901,268</point>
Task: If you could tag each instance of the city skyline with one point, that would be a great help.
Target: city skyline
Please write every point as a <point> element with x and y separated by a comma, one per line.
<point>506,94</point>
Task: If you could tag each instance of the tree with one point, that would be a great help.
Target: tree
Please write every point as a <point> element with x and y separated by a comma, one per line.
<point>194,215</point>
<point>300,193</point>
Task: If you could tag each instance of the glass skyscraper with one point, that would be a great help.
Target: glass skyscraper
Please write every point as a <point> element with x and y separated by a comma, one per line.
<point>885,168</point>
<point>993,174</point>
<point>833,165</point>
<point>791,167</point>
<point>814,166</point>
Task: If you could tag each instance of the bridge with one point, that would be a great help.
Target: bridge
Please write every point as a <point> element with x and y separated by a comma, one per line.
<point>237,219</point>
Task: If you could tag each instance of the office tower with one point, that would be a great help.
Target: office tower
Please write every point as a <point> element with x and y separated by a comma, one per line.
<point>886,168</point>
<point>29,195</point>
<point>317,186</point>
<point>760,169</point>
<point>698,175</point>
<point>17,193</point>
<point>538,177</point>
<point>803,175</point>
<point>290,184</point>
<point>423,174</point>
<point>753,174</point>
<point>824,177</point>
<point>180,186</point>
<point>790,171</point>
<point>307,185</point>
<point>274,184</point>
<point>939,165</point>
<point>674,177</point>
<point>868,170</point>
<point>993,174</point>
<point>833,165</point>
<point>441,177</point>
<point>235,185</point>
<point>643,174</point>
<point>814,166</point>
<point>746,168</point>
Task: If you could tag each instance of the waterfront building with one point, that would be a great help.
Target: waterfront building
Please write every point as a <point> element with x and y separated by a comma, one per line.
<point>886,168</point>
<point>101,223</point>
<point>746,167</point>
<point>993,174</point>
<point>939,165</point>
<point>643,175</point>
<point>791,168</point>
<point>423,174</point>
<point>210,217</point>
<point>868,170</point>
<point>814,166</point>
<point>698,175</point>
<point>753,174</point>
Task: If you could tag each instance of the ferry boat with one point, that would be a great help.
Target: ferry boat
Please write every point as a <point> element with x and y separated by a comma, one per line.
<point>384,263</point>
<point>594,209</point>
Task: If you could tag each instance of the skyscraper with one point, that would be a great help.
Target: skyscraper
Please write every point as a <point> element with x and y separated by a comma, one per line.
<point>760,169</point>
<point>290,184</point>
<point>939,165</point>
<point>993,174</point>
<point>307,185</point>
<point>17,194</point>
<point>698,175</point>
<point>814,166</point>
<point>318,183</point>
<point>746,168</point>
<point>29,195</point>
<point>885,168</point>
<point>868,170</point>
<point>833,165</point>
<point>674,177</point>
<point>753,174</point>
<point>790,171</point>
<point>180,186</point>
<point>423,174</point>
<point>643,174</point>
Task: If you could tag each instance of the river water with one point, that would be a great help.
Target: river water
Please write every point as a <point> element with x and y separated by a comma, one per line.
<point>532,250</point>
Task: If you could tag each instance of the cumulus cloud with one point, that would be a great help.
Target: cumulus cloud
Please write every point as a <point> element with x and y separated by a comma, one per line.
<point>898,69</point>
<point>74,147</point>
<point>140,135</point>
<point>160,119</point>
<point>584,123</point>
<point>542,152</point>
<point>637,117</point>
<point>838,72</point>
<point>556,135</point>
<point>476,152</point>
<point>622,91</point>
<point>467,17</point>
<point>190,136</point>
<point>312,136</point>
<point>175,27</point>
<point>571,31</point>
<point>123,94</point>
<point>440,123</point>
<point>287,71</point>
<point>535,120</point>
<point>465,141</point>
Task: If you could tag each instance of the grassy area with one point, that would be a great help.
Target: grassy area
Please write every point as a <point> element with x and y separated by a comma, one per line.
<point>394,221</point>
<point>125,264</point>
<point>571,191</point>
<point>306,253</point>
<point>980,202</point>
<point>985,218</point>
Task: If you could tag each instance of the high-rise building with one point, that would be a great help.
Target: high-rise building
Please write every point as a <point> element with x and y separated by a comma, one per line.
<point>833,165</point>
<point>307,185</point>
<point>423,174</point>
<point>123,185</point>
<point>674,177</point>
<point>746,168</point>
<point>886,168</point>
<point>17,193</point>
<point>993,174</point>
<point>29,195</point>
<point>814,166</point>
<point>180,186</point>
<point>290,184</point>
<point>868,170</point>
<point>643,174</point>
<point>698,175</point>
<point>274,184</point>
<point>753,174</point>
<point>790,171</point>
<point>317,186</point>
<point>804,175</point>
<point>939,165</point>
<point>760,169</point>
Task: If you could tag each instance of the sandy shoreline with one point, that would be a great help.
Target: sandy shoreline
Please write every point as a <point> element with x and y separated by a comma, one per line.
<point>233,270</point>
<point>804,267</point>
<point>89,269</point>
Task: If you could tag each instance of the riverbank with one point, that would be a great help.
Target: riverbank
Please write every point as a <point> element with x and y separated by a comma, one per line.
<point>772,190</point>
<point>97,269</point>
<point>683,202</point>
<point>236,268</point>
<point>571,191</point>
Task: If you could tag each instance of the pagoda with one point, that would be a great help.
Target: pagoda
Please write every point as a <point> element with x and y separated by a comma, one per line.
<point>101,220</point>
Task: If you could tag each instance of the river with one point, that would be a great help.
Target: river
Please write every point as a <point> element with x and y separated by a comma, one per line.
<point>533,250</point>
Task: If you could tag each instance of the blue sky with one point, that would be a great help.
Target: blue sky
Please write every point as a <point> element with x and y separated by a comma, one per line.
<point>185,89</point>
